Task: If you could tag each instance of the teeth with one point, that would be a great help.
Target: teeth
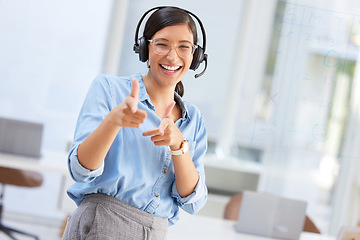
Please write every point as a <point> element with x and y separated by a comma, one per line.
<point>170,68</point>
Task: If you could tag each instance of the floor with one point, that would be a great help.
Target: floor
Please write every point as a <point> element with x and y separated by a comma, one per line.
<point>45,229</point>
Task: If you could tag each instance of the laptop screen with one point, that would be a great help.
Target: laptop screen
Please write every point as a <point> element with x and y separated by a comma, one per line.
<point>272,216</point>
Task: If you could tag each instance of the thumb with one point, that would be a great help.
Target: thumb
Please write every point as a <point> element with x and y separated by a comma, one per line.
<point>135,89</point>
<point>168,109</point>
<point>134,96</point>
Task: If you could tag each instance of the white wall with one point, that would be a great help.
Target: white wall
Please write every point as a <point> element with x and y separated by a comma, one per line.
<point>50,52</point>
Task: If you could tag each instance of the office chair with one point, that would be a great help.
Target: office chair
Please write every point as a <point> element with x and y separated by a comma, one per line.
<point>233,207</point>
<point>9,176</point>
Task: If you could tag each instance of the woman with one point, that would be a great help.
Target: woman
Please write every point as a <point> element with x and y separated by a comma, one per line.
<point>137,155</point>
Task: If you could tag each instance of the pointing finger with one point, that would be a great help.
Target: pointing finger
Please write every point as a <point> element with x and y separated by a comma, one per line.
<point>134,96</point>
<point>167,114</point>
<point>151,132</point>
<point>163,125</point>
<point>168,109</point>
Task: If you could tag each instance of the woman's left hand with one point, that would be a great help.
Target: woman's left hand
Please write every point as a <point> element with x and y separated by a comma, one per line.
<point>167,134</point>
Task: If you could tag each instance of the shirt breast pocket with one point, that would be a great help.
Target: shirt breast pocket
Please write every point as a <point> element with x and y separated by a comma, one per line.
<point>192,145</point>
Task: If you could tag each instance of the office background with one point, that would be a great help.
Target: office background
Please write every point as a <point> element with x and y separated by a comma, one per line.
<point>281,90</point>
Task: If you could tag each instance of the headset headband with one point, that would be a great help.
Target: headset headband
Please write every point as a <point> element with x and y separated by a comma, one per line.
<point>157,8</point>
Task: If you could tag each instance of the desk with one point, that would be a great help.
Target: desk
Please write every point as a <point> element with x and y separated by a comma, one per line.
<point>196,227</point>
<point>50,161</point>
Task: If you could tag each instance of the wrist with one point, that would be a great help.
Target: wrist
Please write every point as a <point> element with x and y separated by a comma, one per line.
<point>184,147</point>
<point>111,120</point>
<point>177,146</point>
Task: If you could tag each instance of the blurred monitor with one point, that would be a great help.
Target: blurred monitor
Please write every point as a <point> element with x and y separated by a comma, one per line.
<point>20,137</point>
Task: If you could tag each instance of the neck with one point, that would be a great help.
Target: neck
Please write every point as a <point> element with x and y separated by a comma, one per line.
<point>159,95</point>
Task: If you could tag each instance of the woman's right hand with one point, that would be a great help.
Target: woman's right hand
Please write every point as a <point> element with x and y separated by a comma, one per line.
<point>127,114</point>
<point>92,151</point>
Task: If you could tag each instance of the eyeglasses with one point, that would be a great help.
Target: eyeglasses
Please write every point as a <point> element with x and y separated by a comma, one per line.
<point>162,46</point>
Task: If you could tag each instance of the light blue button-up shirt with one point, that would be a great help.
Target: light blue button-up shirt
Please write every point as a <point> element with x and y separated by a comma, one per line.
<point>136,171</point>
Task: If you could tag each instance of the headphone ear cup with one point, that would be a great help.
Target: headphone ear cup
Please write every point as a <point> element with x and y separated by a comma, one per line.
<point>198,57</point>
<point>143,50</point>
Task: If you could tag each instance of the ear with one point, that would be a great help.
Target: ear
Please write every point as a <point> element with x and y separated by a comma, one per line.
<point>198,57</point>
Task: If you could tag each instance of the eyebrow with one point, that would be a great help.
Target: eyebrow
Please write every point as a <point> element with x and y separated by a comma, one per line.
<point>181,41</point>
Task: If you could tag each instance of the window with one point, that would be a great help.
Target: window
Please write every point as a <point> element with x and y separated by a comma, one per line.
<point>280,92</point>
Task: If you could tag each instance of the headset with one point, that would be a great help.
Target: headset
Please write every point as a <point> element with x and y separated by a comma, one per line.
<point>199,55</point>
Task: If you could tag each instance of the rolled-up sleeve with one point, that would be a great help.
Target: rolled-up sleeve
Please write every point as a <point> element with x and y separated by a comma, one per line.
<point>197,199</point>
<point>78,172</point>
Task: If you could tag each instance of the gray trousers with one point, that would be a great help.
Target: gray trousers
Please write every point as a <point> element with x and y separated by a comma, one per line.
<point>102,217</point>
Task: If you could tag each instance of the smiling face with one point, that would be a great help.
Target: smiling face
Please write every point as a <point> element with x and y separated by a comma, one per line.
<point>169,69</point>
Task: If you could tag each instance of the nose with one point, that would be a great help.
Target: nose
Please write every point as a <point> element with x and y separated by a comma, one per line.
<point>172,54</point>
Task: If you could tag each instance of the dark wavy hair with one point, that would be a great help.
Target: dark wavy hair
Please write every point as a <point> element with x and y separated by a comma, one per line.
<point>165,17</point>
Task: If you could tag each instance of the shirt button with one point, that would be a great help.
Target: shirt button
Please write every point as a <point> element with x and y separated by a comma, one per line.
<point>156,195</point>
<point>165,171</point>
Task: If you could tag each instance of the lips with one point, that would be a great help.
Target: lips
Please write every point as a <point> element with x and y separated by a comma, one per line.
<point>170,68</point>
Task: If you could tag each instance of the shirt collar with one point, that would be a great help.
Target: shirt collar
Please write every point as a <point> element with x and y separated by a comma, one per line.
<point>143,96</point>
<point>182,105</point>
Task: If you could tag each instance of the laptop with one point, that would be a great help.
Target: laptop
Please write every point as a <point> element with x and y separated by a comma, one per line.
<point>20,137</point>
<point>269,215</point>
